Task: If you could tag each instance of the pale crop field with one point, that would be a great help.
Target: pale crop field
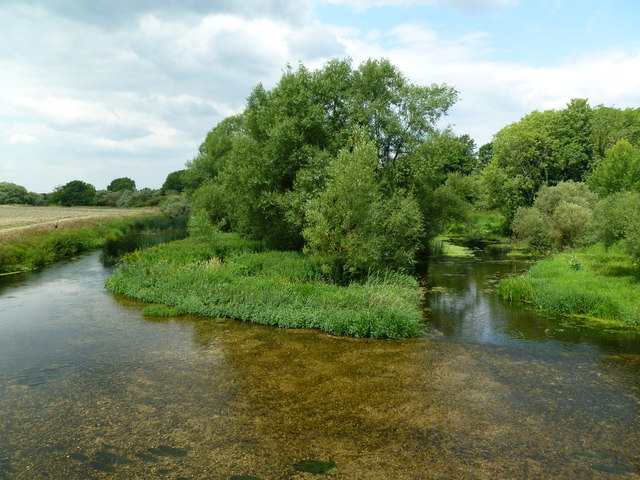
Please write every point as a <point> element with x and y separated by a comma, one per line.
<point>15,218</point>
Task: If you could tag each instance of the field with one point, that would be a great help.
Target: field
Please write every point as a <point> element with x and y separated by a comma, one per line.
<point>17,218</point>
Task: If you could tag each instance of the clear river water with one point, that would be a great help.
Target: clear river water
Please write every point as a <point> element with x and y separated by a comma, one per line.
<point>90,388</point>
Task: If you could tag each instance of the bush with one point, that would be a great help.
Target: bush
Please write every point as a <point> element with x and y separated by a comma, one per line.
<point>10,193</point>
<point>561,216</point>
<point>619,171</point>
<point>176,206</point>
<point>617,219</point>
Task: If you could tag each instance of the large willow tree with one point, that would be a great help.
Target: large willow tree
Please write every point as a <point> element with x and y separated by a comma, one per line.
<point>258,172</point>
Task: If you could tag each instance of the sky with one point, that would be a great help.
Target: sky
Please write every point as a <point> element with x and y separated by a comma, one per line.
<point>101,89</point>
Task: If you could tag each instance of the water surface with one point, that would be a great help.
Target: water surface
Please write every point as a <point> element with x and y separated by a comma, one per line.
<point>89,388</point>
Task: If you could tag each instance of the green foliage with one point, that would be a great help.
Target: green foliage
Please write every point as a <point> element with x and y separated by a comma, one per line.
<point>175,206</point>
<point>617,219</point>
<point>592,281</point>
<point>353,228</point>
<point>619,171</point>
<point>29,251</point>
<point>140,198</point>
<point>543,148</point>
<point>145,232</point>
<point>175,182</point>
<point>560,217</point>
<point>74,193</point>
<point>10,193</point>
<point>120,184</point>
<point>256,173</point>
<point>210,203</point>
<point>610,125</point>
<point>221,277</point>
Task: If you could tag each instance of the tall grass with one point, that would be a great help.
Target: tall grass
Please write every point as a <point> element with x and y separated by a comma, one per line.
<point>227,276</point>
<point>592,281</point>
<point>34,248</point>
<point>145,233</point>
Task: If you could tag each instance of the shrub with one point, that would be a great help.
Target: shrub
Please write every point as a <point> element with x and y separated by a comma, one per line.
<point>176,206</point>
<point>561,216</point>
<point>10,193</point>
<point>617,219</point>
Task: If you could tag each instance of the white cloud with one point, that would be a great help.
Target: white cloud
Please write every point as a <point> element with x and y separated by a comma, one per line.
<point>110,88</point>
<point>22,139</point>
<point>494,93</point>
<point>468,7</point>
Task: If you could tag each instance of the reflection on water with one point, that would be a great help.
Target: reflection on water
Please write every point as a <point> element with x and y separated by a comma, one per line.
<point>464,307</point>
<point>91,389</point>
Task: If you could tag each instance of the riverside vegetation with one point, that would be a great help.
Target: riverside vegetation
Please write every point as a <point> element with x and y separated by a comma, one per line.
<point>344,169</point>
<point>343,179</point>
<point>26,250</point>
<point>224,275</point>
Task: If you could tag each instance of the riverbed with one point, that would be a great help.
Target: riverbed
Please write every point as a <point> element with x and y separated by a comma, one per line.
<point>90,388</point>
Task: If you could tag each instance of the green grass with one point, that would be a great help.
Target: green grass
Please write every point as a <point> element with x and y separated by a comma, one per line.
<point>30,250</point>
<point>482,225</point>
<point>228,276</point>
<point>443,248</point>
<point>593,281</point>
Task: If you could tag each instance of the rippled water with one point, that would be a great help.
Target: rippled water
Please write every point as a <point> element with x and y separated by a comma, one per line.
<point>89,388</point>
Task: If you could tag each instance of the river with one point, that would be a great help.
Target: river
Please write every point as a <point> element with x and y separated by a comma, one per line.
<point>89,388</point>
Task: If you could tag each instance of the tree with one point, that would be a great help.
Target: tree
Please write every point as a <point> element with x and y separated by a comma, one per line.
<point>543,148</point>
<point>561,216</point>
<point>74,193</point>
<point>175,182</point>
<point>619,171</point>
<point>272,159</point>
<point>120,184</point>
<point>11,193</point>
<point>610,125</point>
<point>618,219</point>
<point>353,227</point>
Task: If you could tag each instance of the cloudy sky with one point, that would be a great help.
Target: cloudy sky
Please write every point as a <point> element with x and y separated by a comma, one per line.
<point>100,89</point>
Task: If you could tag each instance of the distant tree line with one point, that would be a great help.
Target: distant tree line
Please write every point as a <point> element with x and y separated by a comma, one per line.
<point>121,192</point>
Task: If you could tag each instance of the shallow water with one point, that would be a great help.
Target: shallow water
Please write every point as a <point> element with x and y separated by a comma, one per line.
<point>89,388</point>
<point>465,308</point>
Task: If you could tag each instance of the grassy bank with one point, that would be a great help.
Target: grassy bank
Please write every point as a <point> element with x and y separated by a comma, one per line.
<point>30,249</point>
<point>593,281</point>
<point>227,276</point>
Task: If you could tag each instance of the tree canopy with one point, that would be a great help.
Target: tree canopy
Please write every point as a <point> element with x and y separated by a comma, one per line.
<point>120,184</point>
<point>74,193</point>
<point>273,172</point>
<point>11,193</point>
<point>545,148</point>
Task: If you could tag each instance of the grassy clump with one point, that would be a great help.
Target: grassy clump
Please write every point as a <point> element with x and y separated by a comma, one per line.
<point>228,276</point>
<point>592,281</point>
<point>440,247</point>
